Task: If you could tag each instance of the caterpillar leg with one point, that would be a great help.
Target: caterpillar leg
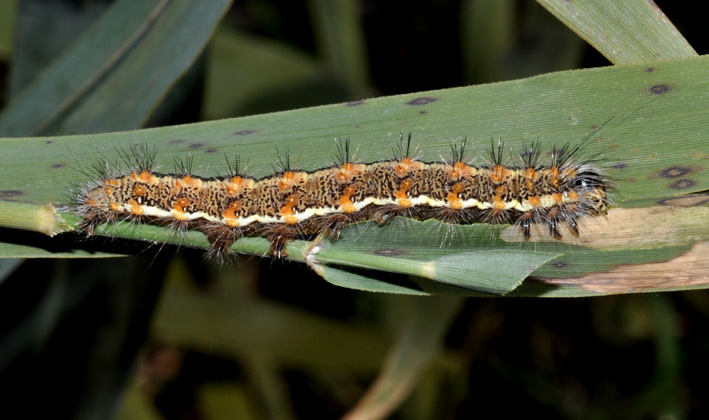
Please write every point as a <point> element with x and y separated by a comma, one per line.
<point>280,235</point>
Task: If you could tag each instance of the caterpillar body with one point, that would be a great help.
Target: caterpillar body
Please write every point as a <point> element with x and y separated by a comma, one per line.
<point>294,203</point>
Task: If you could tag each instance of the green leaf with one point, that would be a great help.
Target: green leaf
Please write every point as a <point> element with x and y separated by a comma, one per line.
<point>626,32</point>
<point>652,146</point>
<point>465,258</point>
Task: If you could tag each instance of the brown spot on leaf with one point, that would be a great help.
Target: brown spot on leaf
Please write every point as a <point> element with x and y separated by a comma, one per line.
<point>685,201</point>
<point>675,172</point>
<point>682,184</point>
<point>10,193</point>
<point>211,150</point>
<point>389,252</point>
<point>196,145</point>
<point>355,103</point>
<point>177,141</point>
<point>690,269</point>
<point>650,70</point>
<point>620,166</point>
<point>560,264</point>
<point>660,89</point>
<point>422,100</point>
<point>245,132</point>
<point>58,165</point>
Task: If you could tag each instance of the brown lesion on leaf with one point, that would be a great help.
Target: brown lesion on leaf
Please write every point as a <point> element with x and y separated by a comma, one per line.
<point>690,269</point>
<point>680,224</point>
<point>683,184</point>
<point>355,103</point>
<point>389,252</point>
<point>244,132</point>
<point>560,264</point>
<point>637,228</point>
<point>4,194</point>
<point>422,100</point>
<point>660,89</point>
<point>685,201</point>
<point>676,172</point>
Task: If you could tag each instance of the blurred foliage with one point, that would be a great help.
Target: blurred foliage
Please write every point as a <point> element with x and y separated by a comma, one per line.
<point>263,339</point>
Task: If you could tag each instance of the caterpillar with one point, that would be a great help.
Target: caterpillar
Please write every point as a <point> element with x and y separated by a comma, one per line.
<point>294,203</point>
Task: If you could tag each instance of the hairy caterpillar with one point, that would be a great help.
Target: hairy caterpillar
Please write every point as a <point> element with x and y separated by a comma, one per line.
<point>294,203</point>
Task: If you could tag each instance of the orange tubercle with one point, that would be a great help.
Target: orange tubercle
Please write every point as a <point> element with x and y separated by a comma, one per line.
<point>188,180</point>
<point>230,214</point>
<point>140,190</point>
<point>455,202</point>
<point>535,201</point>
<point>182,203</point>
<point>345,172</point>
<point>234,185</point>
<point>401,194</point>
<point>345,200</point>
<point>135,208</point>
<point>287,210</point>
<point>286,180</point>
<point>499,173</point>
<point>498,204</point>
<point>557,197</point>
<point>529,177</point>
<point>554,176</point>
<point>179,208</point>
<point>403,167</point>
